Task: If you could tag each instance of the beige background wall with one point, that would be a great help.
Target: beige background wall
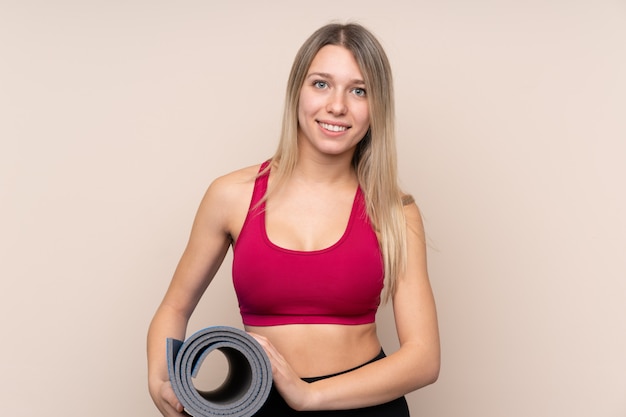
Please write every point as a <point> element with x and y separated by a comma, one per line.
<point>115,116</point>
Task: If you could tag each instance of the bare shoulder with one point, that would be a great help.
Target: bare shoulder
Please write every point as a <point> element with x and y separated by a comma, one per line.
<point>227,198</point>
<point>234,182</point>
<point>413,215</point>
<point>410,207</point>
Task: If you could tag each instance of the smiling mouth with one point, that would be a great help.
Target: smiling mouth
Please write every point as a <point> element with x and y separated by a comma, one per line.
<point>333,128</point>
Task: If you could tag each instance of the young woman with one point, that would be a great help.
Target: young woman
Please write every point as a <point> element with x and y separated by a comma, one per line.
<point>321,233</point>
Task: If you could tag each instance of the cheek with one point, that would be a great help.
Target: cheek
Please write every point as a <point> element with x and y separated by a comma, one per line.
<point>303,108</point>
<point>364,115</point>
<point>300,111</point>
<point>307,103</point>
<point>301,116</point>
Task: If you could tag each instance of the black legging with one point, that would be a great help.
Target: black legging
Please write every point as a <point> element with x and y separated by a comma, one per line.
<point>275,406</point>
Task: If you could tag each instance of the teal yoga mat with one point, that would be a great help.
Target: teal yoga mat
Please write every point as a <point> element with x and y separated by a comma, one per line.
<point>246,386</point>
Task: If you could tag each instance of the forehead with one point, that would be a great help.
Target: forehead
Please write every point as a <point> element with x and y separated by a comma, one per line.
<point>336,61</point>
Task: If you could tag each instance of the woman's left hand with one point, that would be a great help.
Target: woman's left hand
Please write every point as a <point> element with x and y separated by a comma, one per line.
<point>297,393</point>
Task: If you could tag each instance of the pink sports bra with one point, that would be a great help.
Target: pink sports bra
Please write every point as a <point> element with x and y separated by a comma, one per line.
<point>340,284</point>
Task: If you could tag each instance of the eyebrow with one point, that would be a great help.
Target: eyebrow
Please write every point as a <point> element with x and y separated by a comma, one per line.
<point>329,76</point>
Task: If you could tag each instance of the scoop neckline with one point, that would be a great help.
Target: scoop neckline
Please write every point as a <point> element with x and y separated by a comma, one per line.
<point>341,239</point>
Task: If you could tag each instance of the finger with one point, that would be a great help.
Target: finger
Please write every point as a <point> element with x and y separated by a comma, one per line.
<point>265,344</point>
<point>261,339</point>
<point>167,393</point>
<point>168,411</point>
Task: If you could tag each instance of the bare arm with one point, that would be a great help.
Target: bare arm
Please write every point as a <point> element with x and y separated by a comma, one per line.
<point>414,365</point>
<point>205,251</point>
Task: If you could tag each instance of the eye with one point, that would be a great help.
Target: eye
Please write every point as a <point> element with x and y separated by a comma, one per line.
<point>320,84</point>
<point>359,92</point>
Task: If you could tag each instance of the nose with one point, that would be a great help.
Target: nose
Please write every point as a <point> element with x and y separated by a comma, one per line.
<point>336,104</point>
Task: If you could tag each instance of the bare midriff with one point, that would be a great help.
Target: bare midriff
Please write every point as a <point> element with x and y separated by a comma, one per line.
<point>322,349</point>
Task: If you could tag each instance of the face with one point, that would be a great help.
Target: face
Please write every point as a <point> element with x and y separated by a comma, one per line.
<point>333,112</point>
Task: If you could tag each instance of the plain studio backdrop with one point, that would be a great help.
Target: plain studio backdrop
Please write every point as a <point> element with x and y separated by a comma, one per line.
<point>116,115</point>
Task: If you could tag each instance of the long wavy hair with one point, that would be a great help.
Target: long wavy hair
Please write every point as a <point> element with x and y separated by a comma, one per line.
<point>375,157</point>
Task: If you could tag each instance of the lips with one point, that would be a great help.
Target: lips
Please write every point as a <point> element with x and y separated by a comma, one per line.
<point>333,127</point>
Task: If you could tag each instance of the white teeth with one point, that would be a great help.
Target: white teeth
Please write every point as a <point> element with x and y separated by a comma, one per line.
<point>333,128</point>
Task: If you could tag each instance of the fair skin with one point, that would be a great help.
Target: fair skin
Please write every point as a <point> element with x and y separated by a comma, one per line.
<point>310,212</point>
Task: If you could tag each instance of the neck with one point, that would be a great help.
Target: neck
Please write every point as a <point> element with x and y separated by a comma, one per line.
<point>325,170</point>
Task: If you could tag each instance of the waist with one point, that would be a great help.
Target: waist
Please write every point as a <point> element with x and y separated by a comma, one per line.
<point>322,349</point>
<point>381,354</point>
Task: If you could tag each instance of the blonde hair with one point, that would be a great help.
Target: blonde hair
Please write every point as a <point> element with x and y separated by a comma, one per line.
<point>375,156</point>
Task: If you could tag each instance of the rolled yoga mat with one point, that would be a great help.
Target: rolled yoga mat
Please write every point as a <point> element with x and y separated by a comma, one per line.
<point>249,379</point>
